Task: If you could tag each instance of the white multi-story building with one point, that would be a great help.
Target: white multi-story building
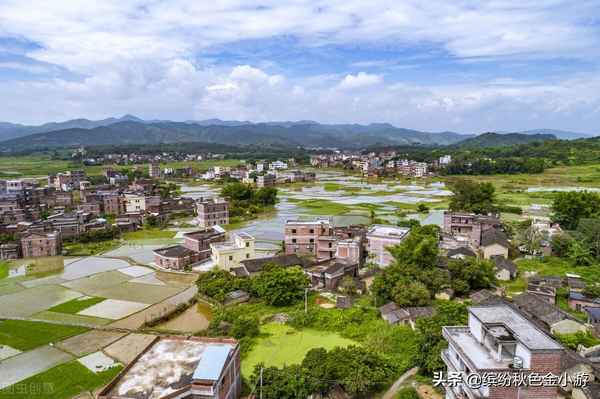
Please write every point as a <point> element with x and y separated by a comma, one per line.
<point>379,238</point>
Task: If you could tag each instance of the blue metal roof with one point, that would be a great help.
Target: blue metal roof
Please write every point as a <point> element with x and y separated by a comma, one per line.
<point>212,362</point>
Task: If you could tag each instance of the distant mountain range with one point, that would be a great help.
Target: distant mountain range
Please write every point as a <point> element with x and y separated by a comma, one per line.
<point>499,139</point>
<point>559,134</point>
<point>130,129</point>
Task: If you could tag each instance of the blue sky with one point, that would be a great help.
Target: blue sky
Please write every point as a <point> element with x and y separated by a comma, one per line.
<point>462,65</point>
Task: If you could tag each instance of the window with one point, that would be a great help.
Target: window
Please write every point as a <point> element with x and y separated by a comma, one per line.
<point>293,240</point>
<point>312,231</point>
<point>293,231</point>
<point>312,240</point>
<point>230,257</point>
<point>247,244</point>
<point>247,256</point>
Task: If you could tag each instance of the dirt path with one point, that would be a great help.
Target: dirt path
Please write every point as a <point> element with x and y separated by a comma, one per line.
<point>391,393</point>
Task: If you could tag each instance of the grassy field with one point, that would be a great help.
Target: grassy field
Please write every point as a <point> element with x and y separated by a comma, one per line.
<point>42,165</point>
<point>26,335</point>
<point>75,306</point>
<point>90,248</point>
<point>549,266</point>
<point>3,270</point>
<point>282,344</point>
<point>322,207</point>
<point>149,234</point>
<point>60,382</point>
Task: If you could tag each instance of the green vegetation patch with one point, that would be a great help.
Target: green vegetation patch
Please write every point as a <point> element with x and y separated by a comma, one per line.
<point>149,234</point>
<point>76,305</point>
<point>60,382</point>
<point>3,270</point>
<point>25,335</point>
<point>323,207</point>
<point>281,344</point>
<point>90,248</point>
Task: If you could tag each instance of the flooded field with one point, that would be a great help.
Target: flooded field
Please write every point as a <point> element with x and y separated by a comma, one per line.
<point>195,318</point>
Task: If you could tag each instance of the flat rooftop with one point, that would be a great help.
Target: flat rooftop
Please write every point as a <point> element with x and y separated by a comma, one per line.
<point>170,364</point>
<point>522,329</point>
<point>388,231</point>
<point>473,350</point>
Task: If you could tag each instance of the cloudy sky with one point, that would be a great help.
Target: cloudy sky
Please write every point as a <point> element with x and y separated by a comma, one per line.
<point>461,65</point>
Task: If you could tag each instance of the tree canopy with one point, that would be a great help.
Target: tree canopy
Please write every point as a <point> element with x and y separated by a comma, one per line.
<point>570,207</point>
<point>473,197</point>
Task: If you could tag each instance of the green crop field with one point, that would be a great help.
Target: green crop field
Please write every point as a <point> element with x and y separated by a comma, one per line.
<point>60,382</point>
<point>285,345</point>
<point>26,335</point>
<point>75,306</point>
<point>3,270</point>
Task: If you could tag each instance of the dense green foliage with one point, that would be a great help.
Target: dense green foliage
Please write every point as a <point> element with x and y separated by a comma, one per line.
<point>470,196</point>
<point>415,277</point>
<point>357,370</point>
<point>280,286</point>
<point>407,393</point>
<point>276,285</point>
<point>430,340</point>
<point>245,200</point>
<point>467,165</point>
<point>570,207</point>
<point>572,341</point>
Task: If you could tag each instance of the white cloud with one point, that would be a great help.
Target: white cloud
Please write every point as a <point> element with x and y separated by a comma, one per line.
<point>147,58</point>
<point>360,80</point>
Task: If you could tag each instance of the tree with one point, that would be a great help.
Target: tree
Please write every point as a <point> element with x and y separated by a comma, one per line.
<point>280,286</point>
<point>244,326</point>
<point>560,244</point>
<point>570,207</point>
<point>589,232</point>
<point>266,196</point>
<point>471,274</point>
<point>348,285</point>
<point>407,393</point>
<point>430,333</point>
<point>580,253</point>
<point>592,290</point>
<point>411,293</point>
<point>422,207</point>
<point>474,197</point>
<point>287,382</point>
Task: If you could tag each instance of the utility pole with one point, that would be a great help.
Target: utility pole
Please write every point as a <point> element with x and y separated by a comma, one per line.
<point>261,382</point>
<point>306,300</point>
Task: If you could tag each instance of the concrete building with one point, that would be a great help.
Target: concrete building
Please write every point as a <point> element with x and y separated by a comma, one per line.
<point>154,170</point>
<point>183,368</point>
<point>195,248</point>
<point>301,237</point>
<point>267,180</point>
<point>141,203</point>
<point>212,212</point>
<point>468,226</point>
<point>41,244</point>
<point>498,340</point>
<point>228,255</point>
<point>379,238</point>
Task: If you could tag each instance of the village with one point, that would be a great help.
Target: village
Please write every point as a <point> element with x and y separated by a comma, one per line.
<point>133,266</point>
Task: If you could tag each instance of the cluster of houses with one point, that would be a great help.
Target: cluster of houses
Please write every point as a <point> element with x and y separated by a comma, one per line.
<point>262,174</point>
<point>386,163</point>
<point>143,158</point>
<point>38,219</point>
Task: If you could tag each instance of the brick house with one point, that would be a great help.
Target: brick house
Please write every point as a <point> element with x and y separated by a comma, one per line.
<point>41,244</point>
<point>328,274</point>
<point>579,302</point>
<point>469,225</point>
<point>212,212</point>
<point>196,247</point>
<point>198,367</point>
<point>498,340</point>
<point>302,237</point>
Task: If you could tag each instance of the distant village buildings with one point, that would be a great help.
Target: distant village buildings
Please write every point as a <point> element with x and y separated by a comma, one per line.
<point>212,212</point>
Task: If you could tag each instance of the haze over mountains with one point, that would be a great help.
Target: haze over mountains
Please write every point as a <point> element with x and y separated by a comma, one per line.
<point>129,129</point>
